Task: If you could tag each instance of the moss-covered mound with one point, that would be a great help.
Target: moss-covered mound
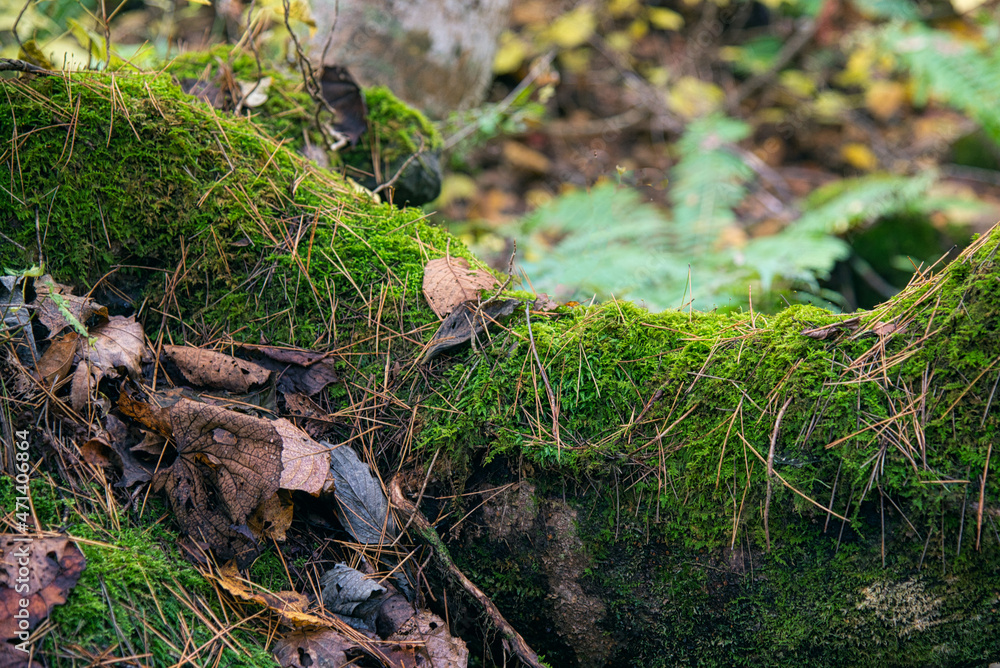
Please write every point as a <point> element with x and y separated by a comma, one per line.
<point>632,488</point>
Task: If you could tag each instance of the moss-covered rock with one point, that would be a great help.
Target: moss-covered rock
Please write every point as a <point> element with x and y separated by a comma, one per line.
<point>715,489</point>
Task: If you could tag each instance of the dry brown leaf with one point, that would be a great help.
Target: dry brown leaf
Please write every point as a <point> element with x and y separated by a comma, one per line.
<point>316,649</point>
<point>52,316</point>
<point>290,606</point>
<point>227,464</point>
<point>97,451</point>
<point>300,405</point>
<point>152,444</point>
<point>135,405</point>
<point>117,343</point>
<point>214,369</point>
<point>449,281</point>
<point>525,159</point>
<point>54,565</point>
<point>58,359</point>
<point>316,421</point>
<point>827,331</point>
<point>887,328</point>
<point>306,463</point>
<point>544,303</point>
<point>273,518</point>
<point>83,386</point>
<point>297,370</point>
<point>440,649</point>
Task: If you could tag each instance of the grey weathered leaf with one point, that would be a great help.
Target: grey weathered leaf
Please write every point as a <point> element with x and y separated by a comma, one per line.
<point>361,503</point>
<point>15,317</point>
<point>468,320</point>
<point>351,596</point>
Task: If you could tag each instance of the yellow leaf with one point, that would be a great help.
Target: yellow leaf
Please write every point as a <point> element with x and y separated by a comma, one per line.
<point>620,41</point>
<point>456,187</point>
<point>658,76</point>
<point>858,71</point>
<point>859,156</point>
<point>620,8</point>
<point>510,55</point>
<point>573,28</point>
<point>830,106</point>
<point>798,82</point>
<point>884,98</point>
<point>691,97</point>
<point>665,19</point>
<point>207,3</point>
<point>638,29</point>
<point>730,54</point>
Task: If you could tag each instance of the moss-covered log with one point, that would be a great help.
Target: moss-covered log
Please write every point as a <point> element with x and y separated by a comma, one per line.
<point>698,488</point>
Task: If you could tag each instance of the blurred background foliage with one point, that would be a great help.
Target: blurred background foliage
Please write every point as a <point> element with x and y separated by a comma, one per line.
<point>682,153</point>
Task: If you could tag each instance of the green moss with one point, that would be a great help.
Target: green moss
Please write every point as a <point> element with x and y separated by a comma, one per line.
<point>399,129</point>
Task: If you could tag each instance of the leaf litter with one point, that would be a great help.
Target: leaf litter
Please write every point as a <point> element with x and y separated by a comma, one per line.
<point>232,478</point>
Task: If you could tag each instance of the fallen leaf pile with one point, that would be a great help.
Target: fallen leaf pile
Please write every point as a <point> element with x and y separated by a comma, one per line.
<point>231,471</point>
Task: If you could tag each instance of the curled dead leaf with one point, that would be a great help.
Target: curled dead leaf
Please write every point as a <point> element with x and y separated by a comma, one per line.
<point>449,281</point>
<point>290,606</point>
<point>138,406</point>
<point>209,368</point>
<point>465,322</point>
<point>343,95</point>
<point>118,343</point>
<point>57,361</point>
<point>300,371</point>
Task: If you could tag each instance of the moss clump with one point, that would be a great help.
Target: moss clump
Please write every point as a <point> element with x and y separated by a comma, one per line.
<point>399,130</point>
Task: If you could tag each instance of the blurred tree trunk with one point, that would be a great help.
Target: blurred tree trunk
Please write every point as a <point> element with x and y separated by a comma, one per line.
<point>435,54</point>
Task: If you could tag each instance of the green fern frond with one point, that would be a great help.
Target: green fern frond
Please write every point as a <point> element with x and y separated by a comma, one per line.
<point>707,183</point>
<point>836,208</point>
<point>952,71</point>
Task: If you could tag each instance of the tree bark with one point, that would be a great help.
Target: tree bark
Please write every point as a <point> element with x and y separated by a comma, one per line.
<point>629,488</point>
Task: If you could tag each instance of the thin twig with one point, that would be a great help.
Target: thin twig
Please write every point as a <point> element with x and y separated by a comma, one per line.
<point>399,172</point>
<point>520,648</point>
<point>13,28</point>
<point>770,471</point>
<point>14,65</point>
